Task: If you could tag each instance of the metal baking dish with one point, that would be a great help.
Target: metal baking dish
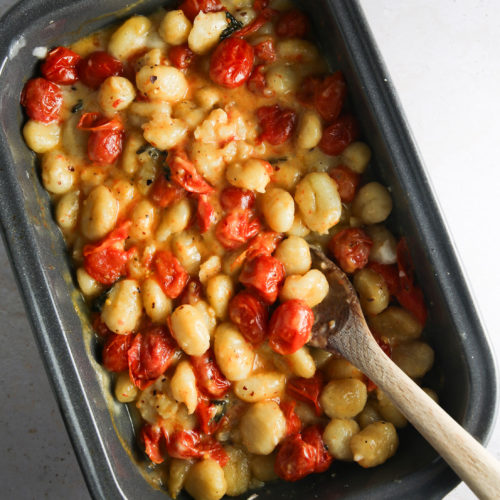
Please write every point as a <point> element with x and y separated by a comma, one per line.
<point>102,431</point>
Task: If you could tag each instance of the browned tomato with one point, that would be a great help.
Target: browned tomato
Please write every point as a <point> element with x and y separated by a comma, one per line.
<point>295,459</point>
<point>170,274</point>
<point>337,136</point>
<point>236,228</point>
<point>180,56</point>
<point>208,375</point>
<point>329,96</point>
<point>347,182</point>
<point>165,193</point>
<point>250,315</point>
<point>292,24</point>
<point>264,275</point>
<point>293,423</point>
<point>276,124</point>
<point>351,248</point>
<point>98,66</point>
<point>307,389</point>
<point>115,352</point>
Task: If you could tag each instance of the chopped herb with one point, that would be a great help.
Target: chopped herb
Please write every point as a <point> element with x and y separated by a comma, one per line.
<point>77,107</point>
<point>166,172</point>
<point>153,152</point>
<point>273,161</point>
<point>148,183</point>
<point>234,25</point>
<point>221,409</point>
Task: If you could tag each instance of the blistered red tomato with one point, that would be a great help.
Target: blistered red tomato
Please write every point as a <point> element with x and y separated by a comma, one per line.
<point>42,100</point>
<point>115,352</point>
<point>337,136</point>
<point>292,24</point>
<point>98,66</point>
<point>276,124</point>
<point>313,435</point>
<point>351,248</point>
<point>234,198</point>
<point>290,326</point>
<point>250,315</point>
<point>169,273</point>
<point>165,193</point>
<point>330,95</point>
<point>257,82</point>
<point>390,274</point>
<point>106,261</point>
<point>265,50</point>
<point>293,423</point>
<point>209,417</point>
<point>60,66</point>
<point>184,173</point>
<point>231,63</point>
<point>205,213</point>
<point>192,8</point>
<point>263,244</point>
<point>263,275</point>
<point>236,228</point>
<point>208,375</point>
<point>295,459</point>
<point>151,436</point>
<point>150,354</point>
<point>306,93</point>
<point>347,182</point>
<point>307,390</point>
<point>181,56</point>
<point>192,292</point>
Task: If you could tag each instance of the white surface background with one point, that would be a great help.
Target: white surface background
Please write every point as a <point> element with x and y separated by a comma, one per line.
<point>443,59</point>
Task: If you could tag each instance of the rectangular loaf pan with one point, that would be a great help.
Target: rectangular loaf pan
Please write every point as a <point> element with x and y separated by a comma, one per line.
<point>100,430</point>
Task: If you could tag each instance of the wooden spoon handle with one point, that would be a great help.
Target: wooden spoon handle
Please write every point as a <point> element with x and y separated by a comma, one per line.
<point>476,466</point>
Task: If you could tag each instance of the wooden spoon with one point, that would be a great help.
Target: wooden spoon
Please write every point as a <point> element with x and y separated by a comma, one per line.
<point>340,327</point>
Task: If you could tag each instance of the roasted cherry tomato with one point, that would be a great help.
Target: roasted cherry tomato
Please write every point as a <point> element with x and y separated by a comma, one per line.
<point>205,213</point>
<point>192,292</point>
<point>150,355</point>
<point>170,274</point>
<point>191,444</point>
<point>60,66</point>
<point>209,415</point>
<point>106,261</point>
<point>115,352</point>
<point>295,459</point>
<point>263,244</point>
<point>236,228</point>
<point>165,193</point>
<point>265,50</point>
<point>105,142</point>
<point>208,375</point>
<point>306,94</point>
<point>263,275</point>
<point>98,66</point>
<point>276,124</point>
<point>290,326</point>
<point>234,198</point>
<point>330,95</point>
<point>313,435</point>
<point>390,274</point>
<point>347,182</point>
<point>292,24</point>
<point>337,136</point>
<point>184,173</point>
<point>100,327</point>
<point>250,315</point>
<point>181,56</point>
<point>307,390</point>
<point>257,82</point>
<point>259,5</point>
<point>192,8</point>
<point>351,248</point>
<point>231,63</point>
<point>293,423</point>
<point>151,436</point>
<point>42,100</point>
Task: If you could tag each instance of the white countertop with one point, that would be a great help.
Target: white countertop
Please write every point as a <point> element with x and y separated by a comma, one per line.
<point>443,59</point>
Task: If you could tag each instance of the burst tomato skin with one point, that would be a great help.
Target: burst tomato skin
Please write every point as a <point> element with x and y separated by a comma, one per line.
<point>42,100</point>
<point>165,193</point>
<point>236,228</point>
<point>351,248</point>
<point>290,326</point>
<point>313,435</point>
<point>208,375</point>
<point>347,182</point>
<point>295,459</point>
<point>292,24</point>
<point>192,293</point>
<point>150,355</point>
<point>330,95</point>
<point>257,84</point>
<point>205,213</point>
<point>98,66</point>
<point>231,63</point>
<point>234,198</point>
<point>192,8</point>
<point>306,94</point>
<point>115,352</point>
<point>293,423</point>
<point>60,66</point>
<point>170,274</point>
<point>265,50</point>
<point>307,389</point>
<point>276,124</point>
<point>263,275</point>
<point>184,173</point>
<point>181,56</point>
<point>250,315</point>
<point>337,136</point>
<point>151,436</point>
